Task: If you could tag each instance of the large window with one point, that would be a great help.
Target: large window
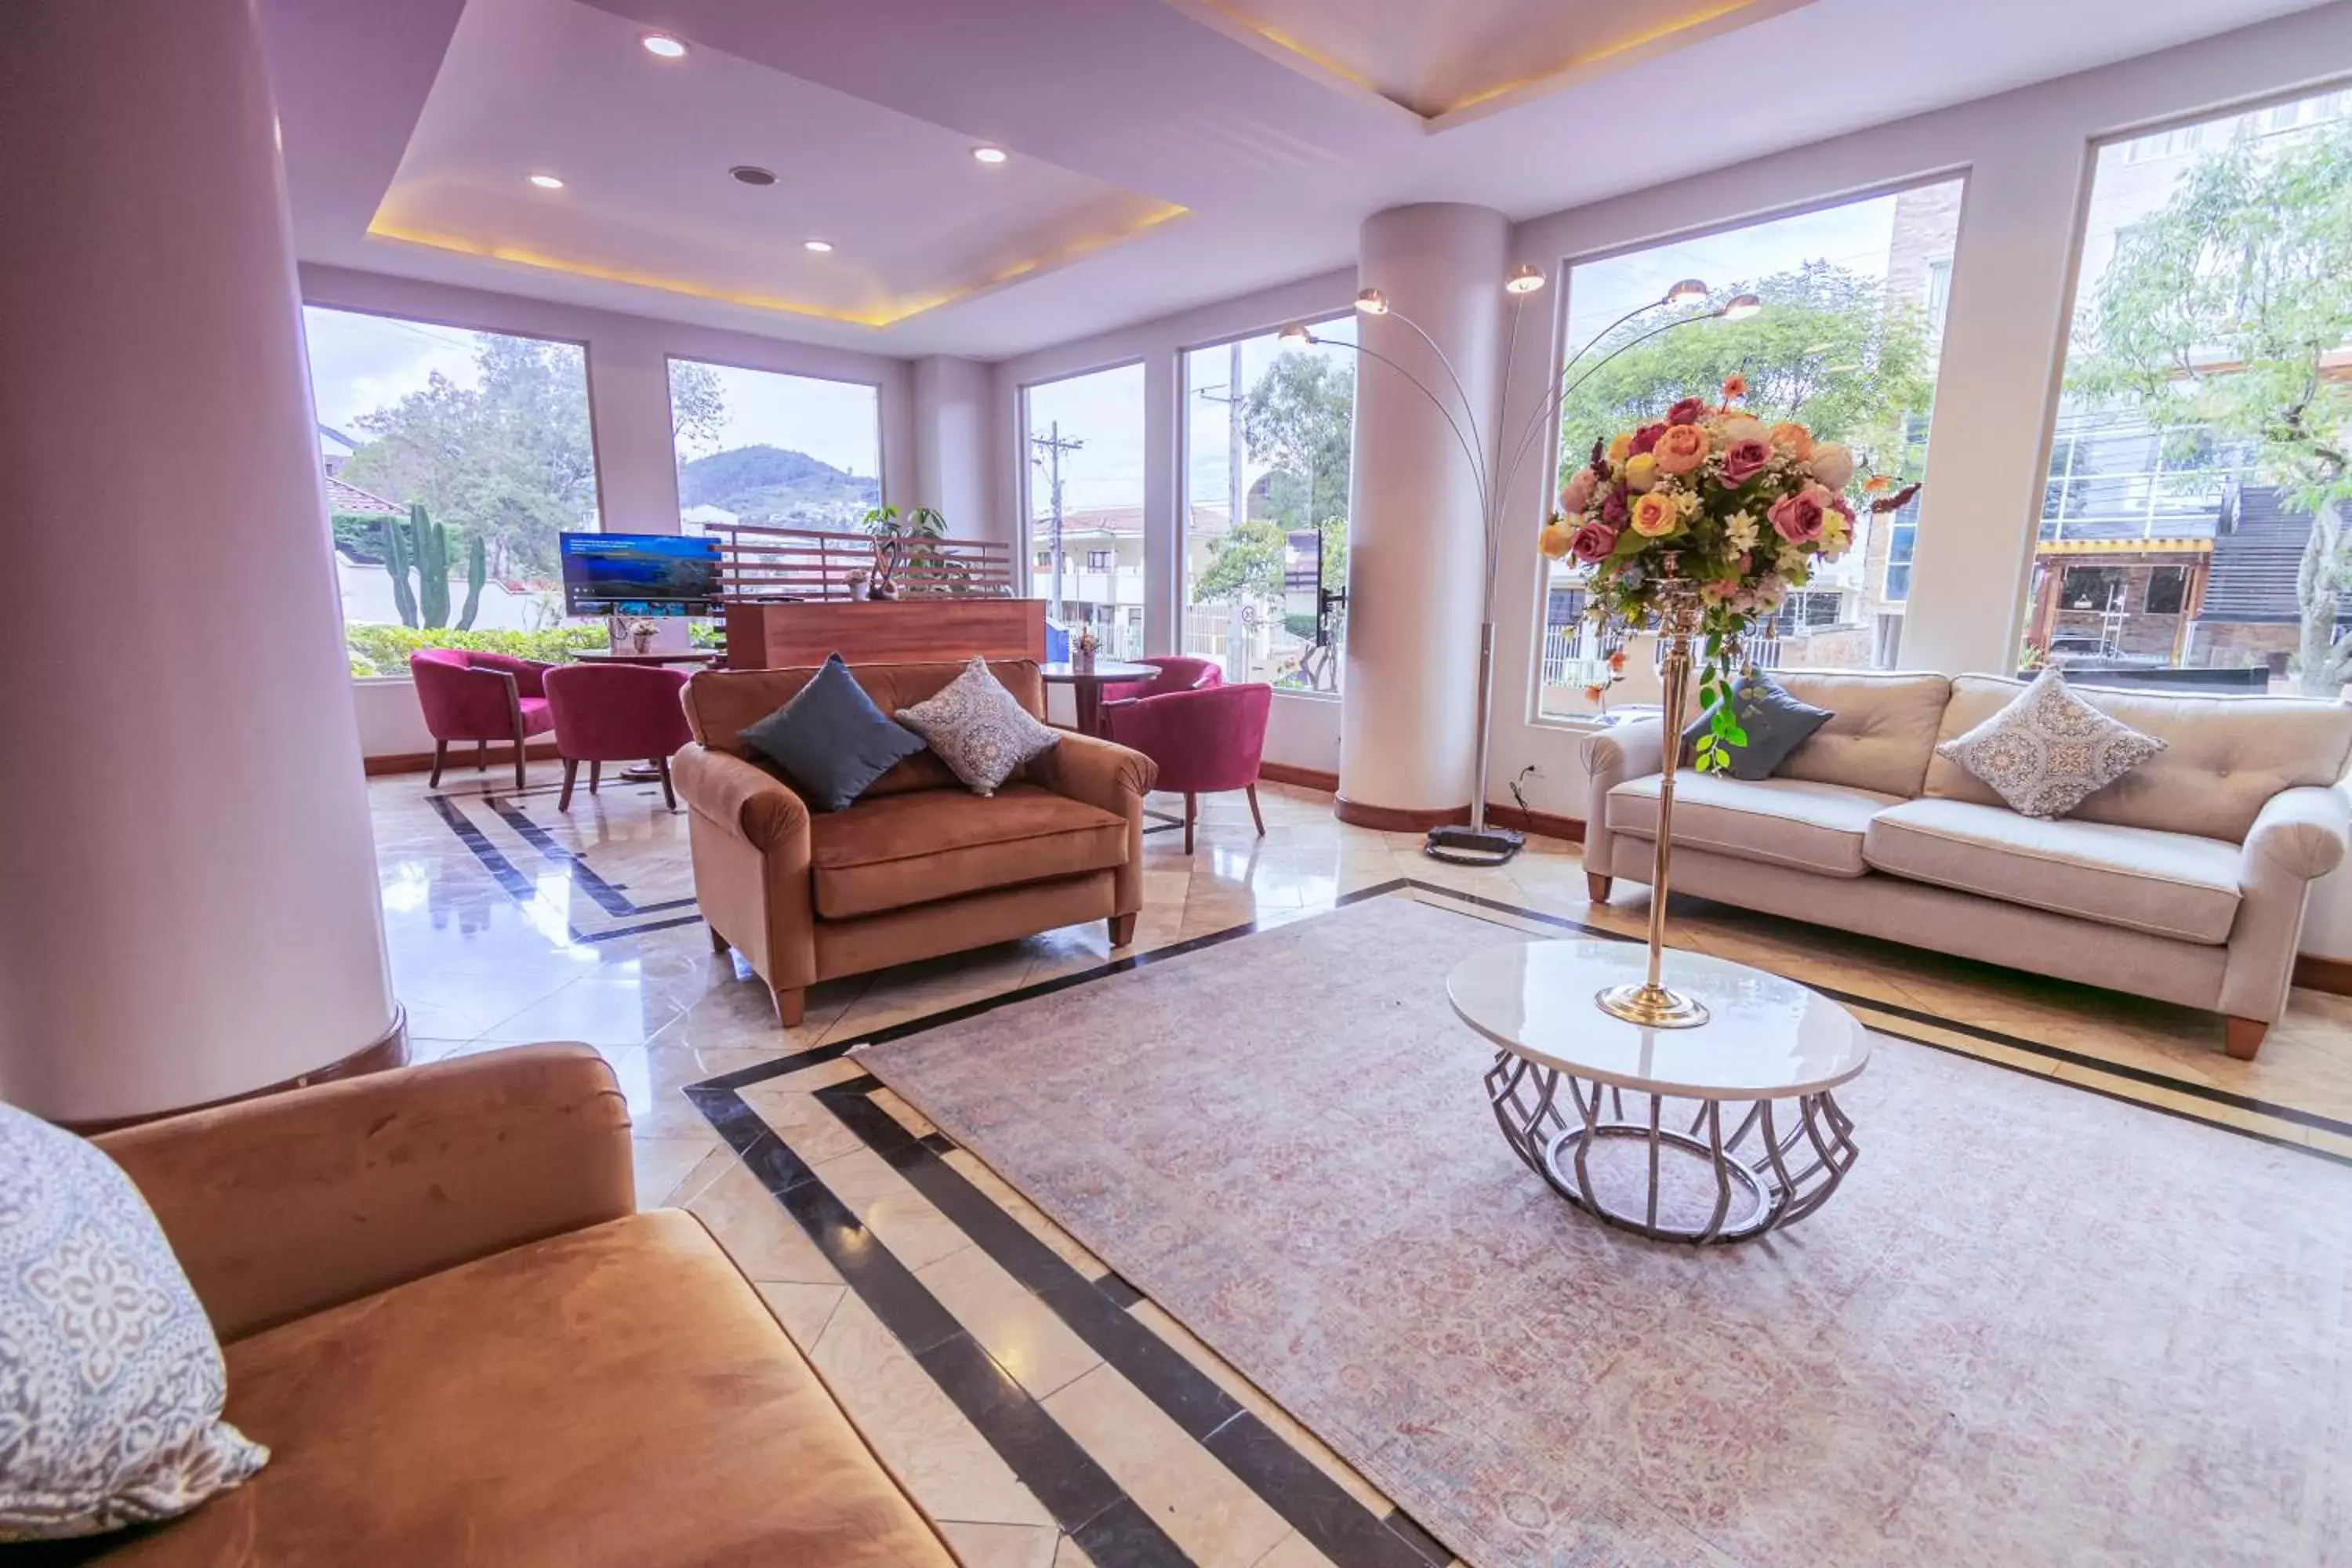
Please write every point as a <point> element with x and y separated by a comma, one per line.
<point>1268,443</point>
<point>2191,527</point>
<point>488,433</point>
<point>1846,344</point>
<point>758,447</point>
<point>1085,451</point>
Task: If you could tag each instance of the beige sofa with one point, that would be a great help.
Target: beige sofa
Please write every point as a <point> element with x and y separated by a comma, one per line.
<point>2184,880</point>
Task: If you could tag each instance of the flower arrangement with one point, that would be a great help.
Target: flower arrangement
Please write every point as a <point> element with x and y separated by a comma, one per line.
<point>1613,670</point>
<point>1702,521</point>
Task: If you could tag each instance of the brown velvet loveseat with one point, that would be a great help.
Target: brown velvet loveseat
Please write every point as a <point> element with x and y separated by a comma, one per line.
<point>919,866</point>
<point>464,1346</point>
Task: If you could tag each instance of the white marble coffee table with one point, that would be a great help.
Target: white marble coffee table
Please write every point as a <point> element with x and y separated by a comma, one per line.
<point>1716,1132</point>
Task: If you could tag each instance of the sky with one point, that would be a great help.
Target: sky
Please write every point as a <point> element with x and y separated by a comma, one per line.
<point>361,362</point>
<point>1105,409</point>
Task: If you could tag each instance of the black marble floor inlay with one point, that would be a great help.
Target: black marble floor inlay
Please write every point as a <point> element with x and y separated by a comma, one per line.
<point>611,898</point>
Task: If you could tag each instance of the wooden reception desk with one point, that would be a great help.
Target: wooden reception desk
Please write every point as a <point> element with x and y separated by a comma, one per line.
<point>905,631</point>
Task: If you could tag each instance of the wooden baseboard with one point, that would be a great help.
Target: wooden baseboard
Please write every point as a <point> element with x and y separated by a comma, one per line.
<point>2333,975</point>
<point>1304,778</point>
<point>1395,818</point>
<point>461,758</point>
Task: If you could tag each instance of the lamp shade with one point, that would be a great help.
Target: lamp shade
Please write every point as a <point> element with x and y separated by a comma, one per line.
<point>1372,302</point>
<point>1741,307</point>
<point>1689,291</point>
<point>1525,279</point>
<point>1295,334</point>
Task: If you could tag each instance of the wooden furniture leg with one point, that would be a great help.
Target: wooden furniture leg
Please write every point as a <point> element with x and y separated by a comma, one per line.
<point>1122,929</point>
<point>521,745</point>
<point>1596,886</point>
<point>718,942</point>
<point>1192,807</point>
<point>482,755</point>
<point>440,757</point>
<point>1087,695</point>
<point>596,776</point>
<point>571,774</point>
<point>790,1003</point>
<point>2242,1037</point>
<point>1255,816</point>
<point>670,796</point>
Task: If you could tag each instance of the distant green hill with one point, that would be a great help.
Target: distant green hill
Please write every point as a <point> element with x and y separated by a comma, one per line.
<point>763,483</point>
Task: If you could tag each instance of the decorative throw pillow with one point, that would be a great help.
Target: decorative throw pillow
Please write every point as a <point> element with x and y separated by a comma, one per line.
<point>1775,723</point>
<point>979,728</point>
<point>110,1382</point>
<point>830,739</point>
<point>2048,749</point>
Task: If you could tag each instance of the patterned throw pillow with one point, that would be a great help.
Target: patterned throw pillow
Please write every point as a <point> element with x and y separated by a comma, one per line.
<point>110,1382</point>
<point>979,728</point>
<point>2048,749</point>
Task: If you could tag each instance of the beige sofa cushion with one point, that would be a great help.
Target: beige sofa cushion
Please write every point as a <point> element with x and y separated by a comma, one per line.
<point>1799,823</point>
<point>1881,731</point>
<point>2223,756</point>
<point>2172,884</point>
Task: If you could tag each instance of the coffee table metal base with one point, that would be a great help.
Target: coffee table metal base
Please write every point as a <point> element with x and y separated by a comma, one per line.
<point>1672,1168</point>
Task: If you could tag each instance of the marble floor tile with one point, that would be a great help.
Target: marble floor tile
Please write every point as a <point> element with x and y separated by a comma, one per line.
<point>915,1429</point>
<point>804,1309</point>
<point>664,1163</point>
<point>903,1220</point>
<point>763,1240</point>
<point>1003,1545</point>
<point>1003,1196</point>
<point>1026,1337</point>
<point>1204,1507</point>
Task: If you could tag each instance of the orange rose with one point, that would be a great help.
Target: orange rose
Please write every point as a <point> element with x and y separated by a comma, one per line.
<point>1794,439</point>
<point>1734,385</point>
<point>1877,485</point>
<point>1682,448</point>
<point>1553,540</point>
<point>1655,514</point>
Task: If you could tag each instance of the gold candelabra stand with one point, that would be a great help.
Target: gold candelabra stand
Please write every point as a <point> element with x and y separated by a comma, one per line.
<point>1652,1003</point>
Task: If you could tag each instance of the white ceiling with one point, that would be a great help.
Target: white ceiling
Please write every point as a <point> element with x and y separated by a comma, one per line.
<point>424,117</point>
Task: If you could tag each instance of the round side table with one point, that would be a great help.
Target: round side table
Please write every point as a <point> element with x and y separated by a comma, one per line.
<point>1713,1133</point>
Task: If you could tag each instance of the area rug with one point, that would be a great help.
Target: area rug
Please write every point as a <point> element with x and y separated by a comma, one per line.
<point>2036,1326</point>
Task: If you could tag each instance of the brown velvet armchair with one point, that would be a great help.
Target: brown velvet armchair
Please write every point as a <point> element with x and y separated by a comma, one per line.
<point>918,866</point>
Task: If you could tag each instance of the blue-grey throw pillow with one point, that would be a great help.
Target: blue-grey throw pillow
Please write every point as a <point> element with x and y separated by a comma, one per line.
<point>830,739</point>
<point>1776,724</point>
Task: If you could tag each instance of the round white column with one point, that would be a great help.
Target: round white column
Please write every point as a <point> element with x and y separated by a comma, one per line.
<point>185,858</point>
<point>1415,539</point>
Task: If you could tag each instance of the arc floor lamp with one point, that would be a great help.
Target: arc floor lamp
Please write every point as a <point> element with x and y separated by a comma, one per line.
<point>1480,843</point>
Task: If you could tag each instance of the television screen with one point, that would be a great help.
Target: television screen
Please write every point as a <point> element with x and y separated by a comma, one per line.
<point>640,574</point>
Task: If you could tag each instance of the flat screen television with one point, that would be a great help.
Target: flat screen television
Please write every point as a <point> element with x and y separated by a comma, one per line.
<point>640,574</point>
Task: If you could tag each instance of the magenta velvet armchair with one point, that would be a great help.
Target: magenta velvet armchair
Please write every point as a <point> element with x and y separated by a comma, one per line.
<point>1204,740</point>
<point>481,697</point>
<point>617,713</point>
<point>1182,673</point>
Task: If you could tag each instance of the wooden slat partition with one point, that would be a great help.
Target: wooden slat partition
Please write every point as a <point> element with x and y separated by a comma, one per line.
<point>760,563</point>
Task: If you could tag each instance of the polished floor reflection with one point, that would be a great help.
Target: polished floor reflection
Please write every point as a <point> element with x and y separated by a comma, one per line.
<point>508,921</point>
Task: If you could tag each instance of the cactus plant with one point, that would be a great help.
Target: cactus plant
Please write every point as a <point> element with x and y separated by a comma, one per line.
<point>396,562</point>
<point>424,543</point>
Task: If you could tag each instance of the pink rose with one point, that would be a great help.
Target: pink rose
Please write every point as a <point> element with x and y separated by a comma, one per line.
<point>1797,517</point>
<point>1593,543</point>
<point>1577,494</point>
<point>1686,412</point>
<point>1646,437</point>
<point>1743,460</point>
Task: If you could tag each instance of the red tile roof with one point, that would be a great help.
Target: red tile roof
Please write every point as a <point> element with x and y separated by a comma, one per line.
<point>343,497</point>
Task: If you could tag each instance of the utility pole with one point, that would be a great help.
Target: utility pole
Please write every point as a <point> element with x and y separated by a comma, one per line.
<point>1050,447</point>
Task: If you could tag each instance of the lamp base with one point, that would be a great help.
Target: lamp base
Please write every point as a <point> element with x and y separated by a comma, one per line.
<point>1459,845</point>
<point>1652,1007</point>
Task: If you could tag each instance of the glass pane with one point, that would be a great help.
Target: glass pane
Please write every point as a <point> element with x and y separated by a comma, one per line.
<point>490,433</point>
<point>761,447</point>
<point>1846,344</point>
<point>2203,408</point>
<point>1267,597</point>
<point>1086,504</point>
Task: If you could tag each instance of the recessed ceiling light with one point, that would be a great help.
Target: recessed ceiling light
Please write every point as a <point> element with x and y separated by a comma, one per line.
<point>753,174</point>
<point>819,246</point>
<point>547,182</point>
<point>990,154</point>
<point>662,45</point>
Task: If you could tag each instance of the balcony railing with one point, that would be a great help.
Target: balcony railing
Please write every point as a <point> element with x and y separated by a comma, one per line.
<point>761,562</point>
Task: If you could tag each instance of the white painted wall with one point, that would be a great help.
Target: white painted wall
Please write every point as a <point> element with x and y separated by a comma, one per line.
<point>955,461</point>
<point>1303,731</point>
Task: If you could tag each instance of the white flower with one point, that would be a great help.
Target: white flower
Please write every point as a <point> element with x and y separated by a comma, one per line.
<point>1832,465</point>
<point>1792,558</point>
<point>1687,502</point>
<point>1740,530</point>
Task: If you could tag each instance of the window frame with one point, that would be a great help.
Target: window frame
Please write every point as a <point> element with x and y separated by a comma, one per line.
<point>1026,549</point>
<point>1539,599</point>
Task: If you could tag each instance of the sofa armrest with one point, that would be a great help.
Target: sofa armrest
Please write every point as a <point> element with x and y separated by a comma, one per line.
<point>1611,757</point>
<point>2300,832</point>
<point>287,1205</point>
<point>756,806</point>
<point>1113,778</point>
